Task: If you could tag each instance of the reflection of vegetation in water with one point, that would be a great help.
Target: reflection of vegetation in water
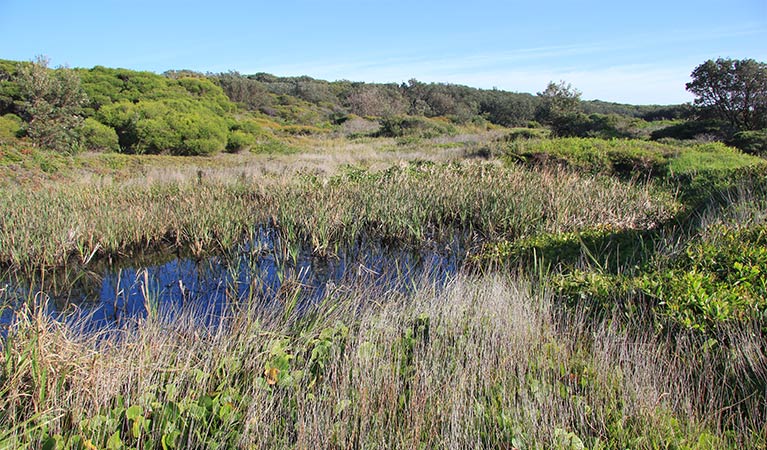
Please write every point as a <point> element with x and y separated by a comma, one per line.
<point>110,294</point>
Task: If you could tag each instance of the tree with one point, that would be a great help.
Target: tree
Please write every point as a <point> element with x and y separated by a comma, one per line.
<point>53,101</point>
<point>557,100</point>
<point>732,90</point>
<point>376,100</point>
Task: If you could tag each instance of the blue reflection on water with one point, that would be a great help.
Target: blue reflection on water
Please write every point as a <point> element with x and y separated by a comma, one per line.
<point>257,272</point>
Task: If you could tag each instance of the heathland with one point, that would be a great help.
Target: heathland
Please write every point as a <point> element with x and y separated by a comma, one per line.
<point>227,261</point>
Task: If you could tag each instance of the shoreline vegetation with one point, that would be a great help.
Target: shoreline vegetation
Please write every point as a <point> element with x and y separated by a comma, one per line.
<point>610,292</point>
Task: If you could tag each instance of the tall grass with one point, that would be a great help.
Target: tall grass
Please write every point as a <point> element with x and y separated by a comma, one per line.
<point>414,204</point>
<point>486,362</point>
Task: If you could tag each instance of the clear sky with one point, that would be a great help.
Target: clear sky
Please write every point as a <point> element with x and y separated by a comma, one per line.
<point>638,52</point>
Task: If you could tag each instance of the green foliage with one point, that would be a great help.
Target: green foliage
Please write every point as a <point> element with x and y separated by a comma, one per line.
<point>10,93</point>
<point>178,127</point>
<point>558,100</point>
<point>595,125</point>
<point>604,248</point>
<point>10,127</point>
<point>691,129</point>
<point>732,90</point>
<point>715,281</point>
<point>52,108</point>
<point>751,142</point>
<point>273,146</point>
<point>610,157</point>
<point>526,133</point>
<point>628,158</point>
<point>105,86</point>
<point>710,157</point>
<point>507,109</point>
<point>650,113</point>
<point>99,137</point>
<point>399,126</point>
<point>183,115</point>
<point>238,140</point>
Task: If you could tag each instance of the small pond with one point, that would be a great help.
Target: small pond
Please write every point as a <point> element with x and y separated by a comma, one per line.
<point>260,270</point>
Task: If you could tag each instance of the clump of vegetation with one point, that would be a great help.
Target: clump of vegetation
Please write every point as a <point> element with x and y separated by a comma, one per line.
<point>99,137</point>
<point>368,368</point>
<point>10,127</point>
<point>628,158</point>
<point>52,105</point>
<point>399,126</point>
<point>751,142</point>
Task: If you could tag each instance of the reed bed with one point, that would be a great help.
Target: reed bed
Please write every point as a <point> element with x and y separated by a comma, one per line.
<point>477,362</point>
<point>414,204</point>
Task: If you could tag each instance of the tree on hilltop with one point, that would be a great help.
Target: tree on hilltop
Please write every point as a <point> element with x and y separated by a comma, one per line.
<point>732,90</point>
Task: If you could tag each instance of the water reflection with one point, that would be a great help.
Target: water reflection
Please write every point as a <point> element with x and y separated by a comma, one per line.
<point>257,271</point>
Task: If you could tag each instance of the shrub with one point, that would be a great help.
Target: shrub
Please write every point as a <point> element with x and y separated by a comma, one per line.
<point>753,142</point>
<point>53,101</point>
<point>526,133</point>
<point>239,140</point>
<point>99,137</point>
<point>180,127</point>
<point>715,281</point>
<point>688,130</point>
<point>10,127</point>
<point>399,126</point>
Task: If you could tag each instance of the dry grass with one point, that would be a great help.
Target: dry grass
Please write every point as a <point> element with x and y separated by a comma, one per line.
<point>479,363</point>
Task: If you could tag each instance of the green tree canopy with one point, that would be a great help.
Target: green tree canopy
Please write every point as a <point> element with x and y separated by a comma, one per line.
<point>732,90</point>
<point>557,100</point>
<point>52,105</point>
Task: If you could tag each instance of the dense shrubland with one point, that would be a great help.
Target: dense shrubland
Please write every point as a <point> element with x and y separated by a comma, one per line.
<point>189,113</point>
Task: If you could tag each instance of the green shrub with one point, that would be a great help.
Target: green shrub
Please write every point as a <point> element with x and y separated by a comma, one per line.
<point>629,157</point>
<point>273,146</point>
<point>99,137</point>
<point>10,127</point>
<point>605,126</point>
<point>178,127</point>
<point>526,133</point>
<point>716,280</point>
<point>597,156</point>
<point>239,140</point>
<point>752,142</point>
<point>399,126</point>
<point>713,156</point>
<point>688,130</point>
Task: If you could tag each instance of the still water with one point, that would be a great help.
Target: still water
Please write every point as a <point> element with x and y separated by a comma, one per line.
<point>260,270</point>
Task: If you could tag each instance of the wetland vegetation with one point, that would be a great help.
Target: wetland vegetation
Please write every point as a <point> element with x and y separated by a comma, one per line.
<point>350,265</point>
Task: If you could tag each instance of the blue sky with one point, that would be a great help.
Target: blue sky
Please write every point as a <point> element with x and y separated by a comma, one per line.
<point>634,52</point>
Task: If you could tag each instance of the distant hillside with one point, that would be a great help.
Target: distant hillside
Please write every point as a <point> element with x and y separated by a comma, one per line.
<point>189,113</point>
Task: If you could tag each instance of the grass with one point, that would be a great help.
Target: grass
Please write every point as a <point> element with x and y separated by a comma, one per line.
<point>414,204</point>
<point>613,298</point>
<point>488,361</point>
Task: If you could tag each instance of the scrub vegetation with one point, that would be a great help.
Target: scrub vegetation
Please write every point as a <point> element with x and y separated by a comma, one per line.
<point>609,290</point>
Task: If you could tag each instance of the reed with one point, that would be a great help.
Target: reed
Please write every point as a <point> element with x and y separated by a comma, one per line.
<point>414,204</point>
<point>488,362</point>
